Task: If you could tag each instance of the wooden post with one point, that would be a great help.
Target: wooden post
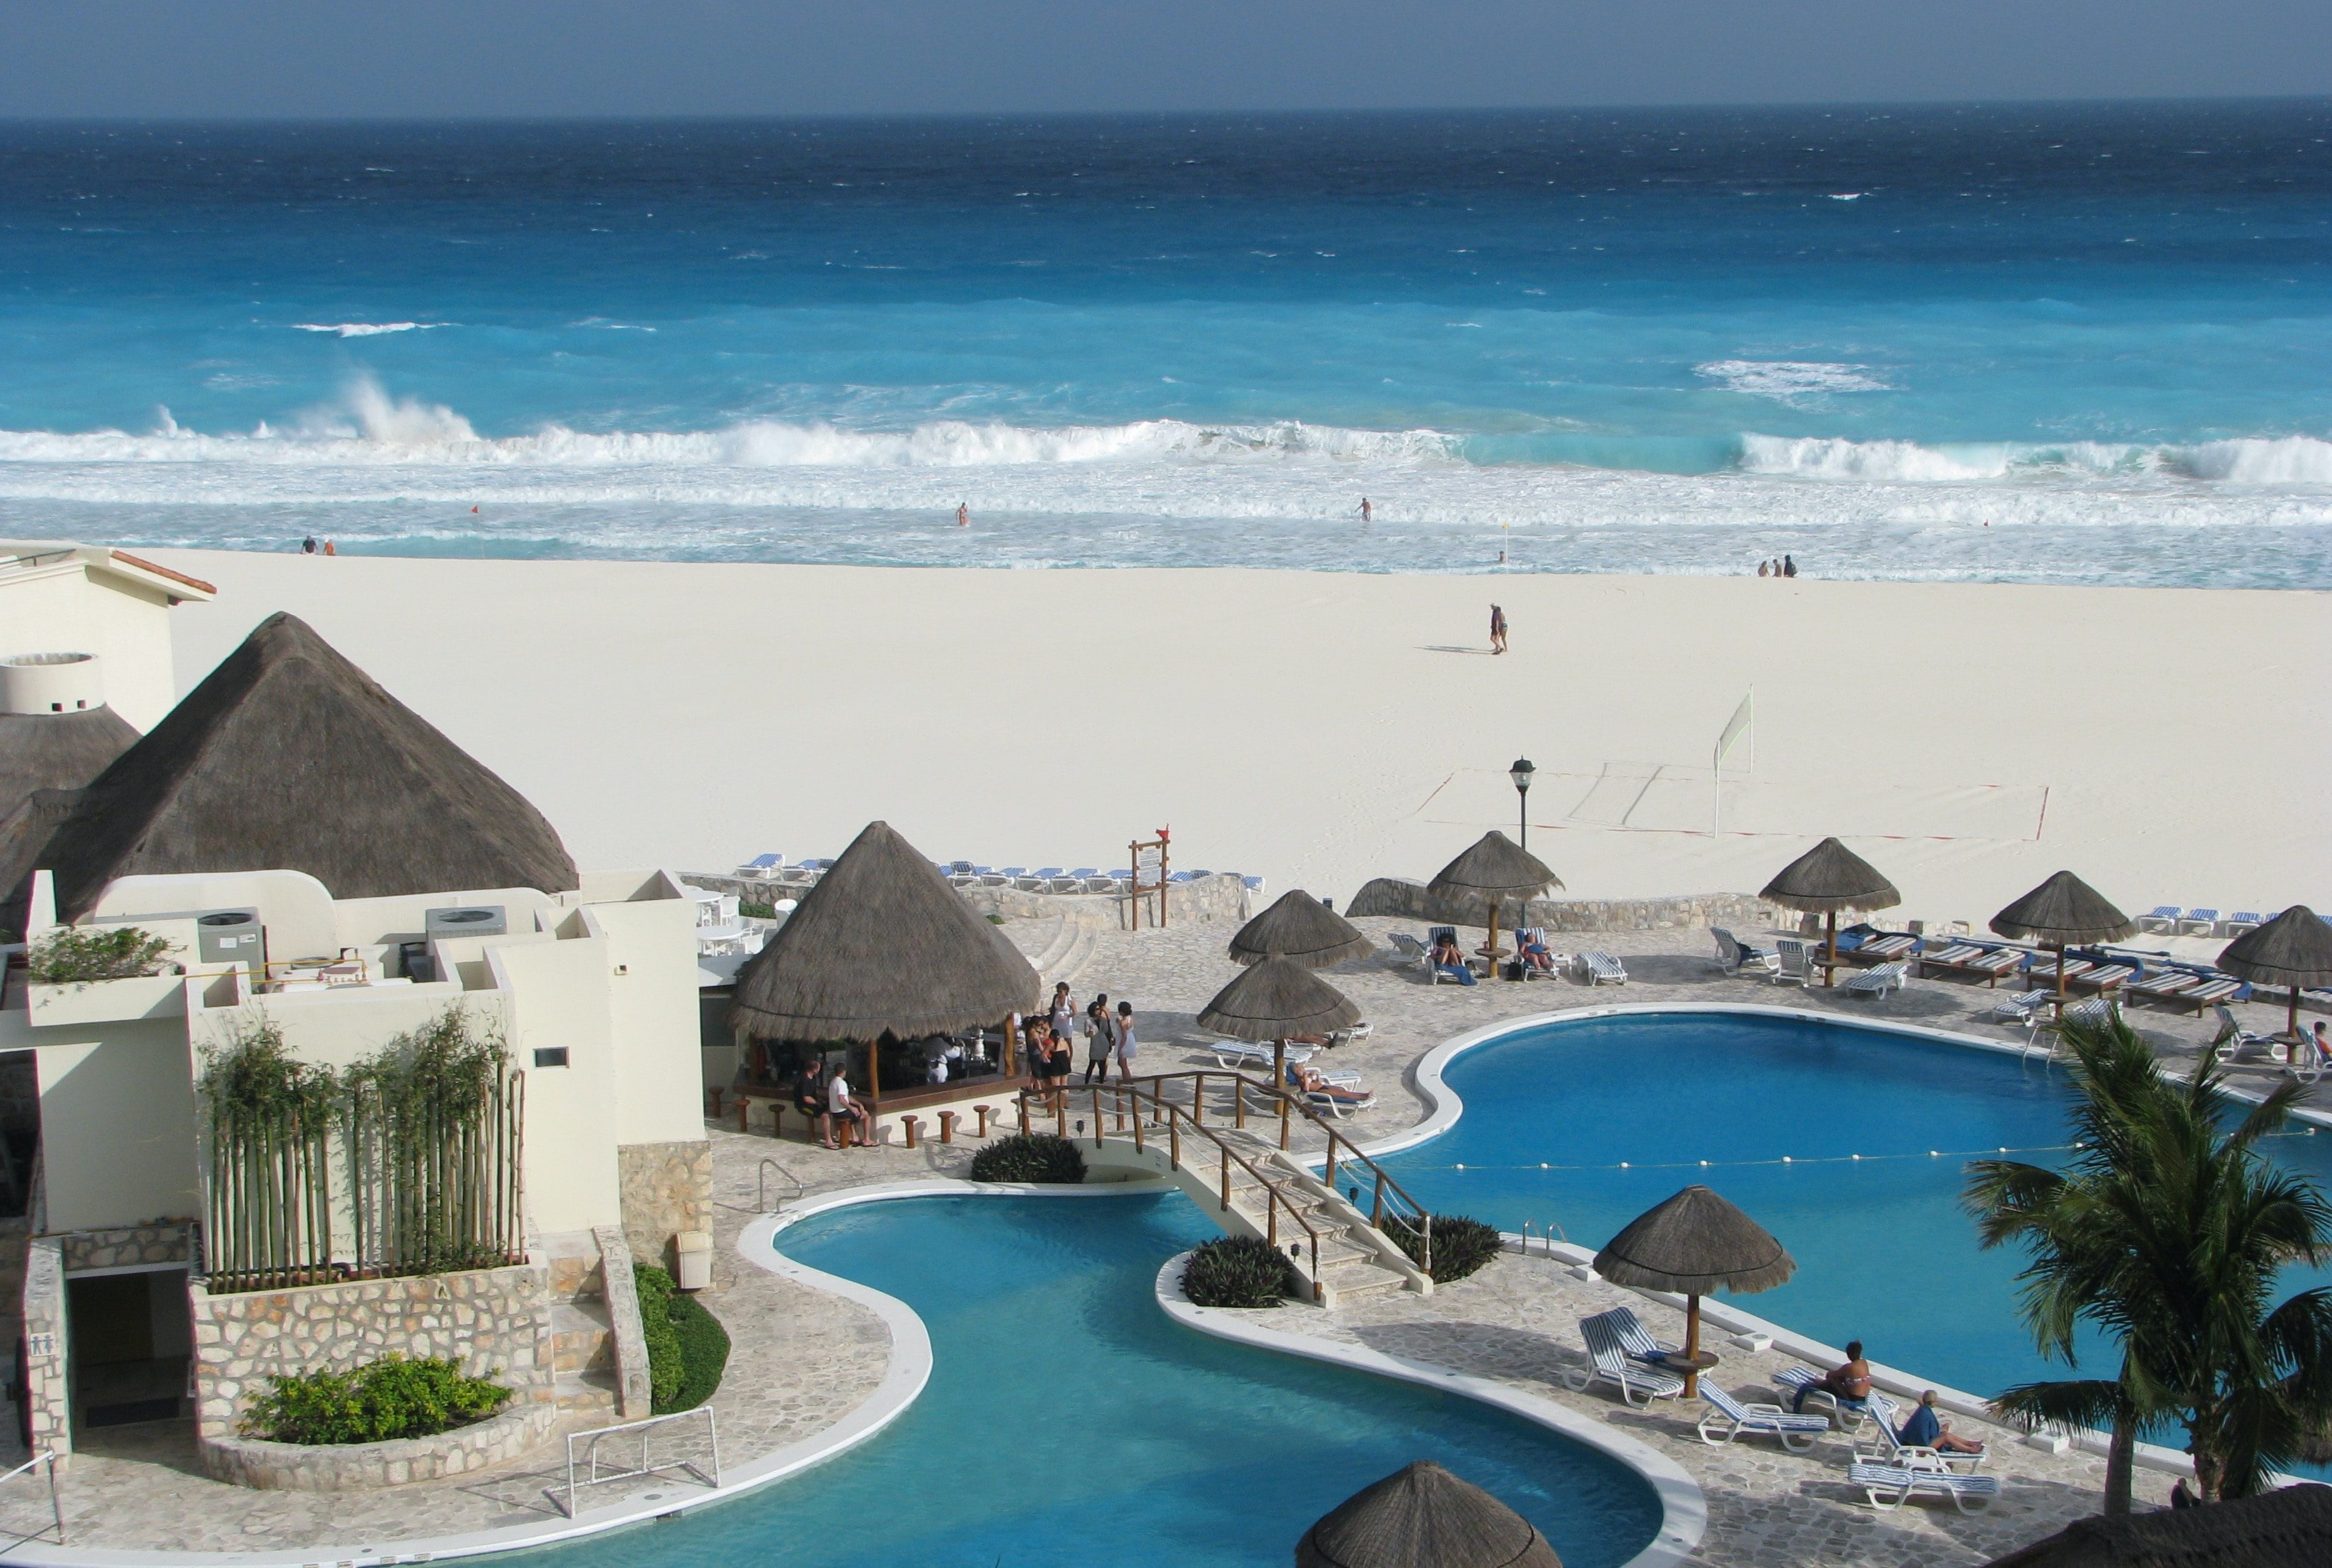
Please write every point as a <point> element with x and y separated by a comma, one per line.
<point>1493,944</point>
<point>874,1079</point>
<point>1829,975</point>
<point>1279,1065</point>
<point>744,1109</point>
<point>1173,1143</point>
<point>1692,1339</point>
<point>1199,1102</point>
<point>1226,1180</point>
<point>1238,1100</point>
<point>1279,1054</point>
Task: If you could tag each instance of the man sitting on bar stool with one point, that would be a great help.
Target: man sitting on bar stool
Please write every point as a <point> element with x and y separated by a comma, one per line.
<point>841,1105</point>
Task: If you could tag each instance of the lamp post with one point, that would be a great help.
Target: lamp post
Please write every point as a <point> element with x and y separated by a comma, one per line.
<point>1521,774</point>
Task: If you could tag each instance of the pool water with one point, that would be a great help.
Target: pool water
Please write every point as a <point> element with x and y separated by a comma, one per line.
<point>1069,1421</point>
<point>1885,1253</point>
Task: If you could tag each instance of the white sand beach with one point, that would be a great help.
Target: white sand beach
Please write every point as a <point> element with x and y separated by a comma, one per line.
<point>1319,729</point>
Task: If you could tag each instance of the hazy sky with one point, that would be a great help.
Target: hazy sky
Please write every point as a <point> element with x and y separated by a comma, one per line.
<point>427,58</point>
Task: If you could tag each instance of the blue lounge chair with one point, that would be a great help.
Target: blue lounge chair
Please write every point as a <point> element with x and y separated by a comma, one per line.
<point>1969,1494</point>
<point>2162,919</point>
<point>2207,919</point>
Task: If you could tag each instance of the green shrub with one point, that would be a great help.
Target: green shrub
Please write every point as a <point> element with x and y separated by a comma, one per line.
<point>1460,1245</point>
<point>1030,1157</point>
<point>757,911</point>
<point>1237,1271</point>
<point>687,1347</point>
<point>76,956</point>
<point>389,1399</point>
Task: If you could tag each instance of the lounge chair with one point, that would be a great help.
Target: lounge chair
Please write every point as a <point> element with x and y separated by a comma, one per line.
<point>2207,919</point>
<point>2018,1010</point>
<point>761,866</point>
<point>1873,1406</point>
<point>2162,919</point>
<point>1990,962</point>
<point>2164,985</point>
<point>1232,1055</point>
<point>1969,1494</point>
<point>1790,961</point>
<point>1874,981</point>
<point>2107,976</point>
<point>2306,1062</point>
<point>1886,946</point>
<point>2216,988</point>
<point>1887,1449</point>
<point>1727,1417</point>
<point>1433,940</point>
<point>1737,957</point>
<point>1407,949</point>
<point>2243,920</point>
<point>2232,1039</point>
<point>2044,969</point>
<point>1601,967</point>
<point>1609,1362</point>
<point>1531,971</point>
<point>1636,1339</point>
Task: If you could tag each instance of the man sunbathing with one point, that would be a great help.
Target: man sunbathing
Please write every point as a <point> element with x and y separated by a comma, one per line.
<point>1850,1380</point>
<point>1925,1430</point>
<point>1535,954</point>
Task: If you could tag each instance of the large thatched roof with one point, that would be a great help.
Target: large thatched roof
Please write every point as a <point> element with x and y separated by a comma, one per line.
<point>882,945</point>
<point>2279,1529</point>
<point>2065,910</point>
<point>2295,948</point>
<point>24,834</point>
<point>1695,1243</point>
<point>288,757</point>
<point>57,751</point>
<point>1829,878</point>
<point>1300,927</point>
<point>1422,1517</point>
<point>1495,866</point>
<point>1274,1000</point>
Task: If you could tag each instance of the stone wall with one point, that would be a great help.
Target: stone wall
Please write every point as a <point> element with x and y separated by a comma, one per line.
<point>495,1323</point>
<point>665,1189</point>
<point>158,1245</point>
<point>1399,895</point>
<point>47,1394</point>
<point>350,1466</point>
<point>1219,897</point>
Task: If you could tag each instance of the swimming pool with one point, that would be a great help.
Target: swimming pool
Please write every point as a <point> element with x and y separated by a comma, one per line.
<point>1068,1421</point>
<point>1884,1252</point>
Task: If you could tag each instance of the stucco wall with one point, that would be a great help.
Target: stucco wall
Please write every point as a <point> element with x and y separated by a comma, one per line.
<point>1401,896</point>
<point>126,624</point>
<point>117,1126</point>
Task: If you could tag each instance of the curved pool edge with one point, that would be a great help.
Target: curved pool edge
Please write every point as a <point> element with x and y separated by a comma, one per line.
<point>1683,1507</point>
<point>1446,1107</point>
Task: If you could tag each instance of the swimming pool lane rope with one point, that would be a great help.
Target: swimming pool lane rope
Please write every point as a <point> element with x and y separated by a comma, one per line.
<point>1794,1159</point>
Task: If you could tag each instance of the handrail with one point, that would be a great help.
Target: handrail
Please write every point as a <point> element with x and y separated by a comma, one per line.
<point>761,1184</point>
<point>591,1440</point>
<point>56,1504</point>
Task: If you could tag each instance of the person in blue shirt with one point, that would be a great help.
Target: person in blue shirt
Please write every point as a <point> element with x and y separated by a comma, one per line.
<point>1925,1430</point>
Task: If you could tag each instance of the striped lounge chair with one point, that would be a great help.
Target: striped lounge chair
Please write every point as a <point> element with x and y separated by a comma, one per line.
<point>1886,946</point>
<point>2198,922</point>
<point>1876,980</point>
<point>1872,1407</point>
<point>2162,919</point>
<point>2018,1010</point>
<point>1601,967</point>
<point>1727,1417</point>
<point>1889,1486</point>
<point>1609,1362</point>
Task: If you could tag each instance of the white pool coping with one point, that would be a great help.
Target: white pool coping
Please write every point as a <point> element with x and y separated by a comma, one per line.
<point>1445,1107</point>
<point>1683,1510</point>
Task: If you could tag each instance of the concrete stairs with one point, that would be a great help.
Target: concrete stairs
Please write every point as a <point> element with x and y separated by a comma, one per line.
<point>1355,1259</point>
<point>1061,949</point>
<point>583,1341</point>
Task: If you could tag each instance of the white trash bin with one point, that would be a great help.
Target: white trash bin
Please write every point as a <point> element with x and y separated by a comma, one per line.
<point>695,1250</point>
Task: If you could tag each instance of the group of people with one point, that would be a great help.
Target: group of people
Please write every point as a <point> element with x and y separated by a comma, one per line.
<point>1784,566</point>
<point>1049,1042</point>
<point>823,1096</point>
<point>309,546</point>
<point>1450,959</point>
<point>1849,1383</point>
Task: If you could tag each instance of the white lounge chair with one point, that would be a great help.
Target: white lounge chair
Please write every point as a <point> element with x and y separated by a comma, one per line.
<point>1233,1055</point>
<point>1790,961</point>
<point>2306,1061</point>
<point>1728,1417</point>
<point>1609,1362</point>
<point>1892,944</point>
<point>1872,1407</point>
<point>1601,967</point>
<point>2206,920</point>
<point>2243,920</point>
<point>2018,1010</point>
<point>2232,1039</point>
<point>1969,1494</point>
<point>1876,980</point>
<point>2162,919</point>
<point>1530,971</point>
<point>1636,1339</point>
<point>1737,957</point>
<point>1407,950</point>
<point>1886,1448</point>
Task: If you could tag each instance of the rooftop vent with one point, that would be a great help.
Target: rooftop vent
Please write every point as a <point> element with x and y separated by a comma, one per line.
<point>478,920</point>
<point>50,683</point>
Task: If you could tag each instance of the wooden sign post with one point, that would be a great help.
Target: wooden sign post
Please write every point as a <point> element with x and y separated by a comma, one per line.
<point>1149,862</point>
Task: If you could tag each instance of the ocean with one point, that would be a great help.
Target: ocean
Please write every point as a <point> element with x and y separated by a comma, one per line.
<point>2054,343</point>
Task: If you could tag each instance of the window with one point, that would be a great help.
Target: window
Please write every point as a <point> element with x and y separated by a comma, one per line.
<point>550,1057</point>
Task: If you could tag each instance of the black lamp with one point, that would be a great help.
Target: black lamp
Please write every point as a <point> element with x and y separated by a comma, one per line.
<point>1521,774</point>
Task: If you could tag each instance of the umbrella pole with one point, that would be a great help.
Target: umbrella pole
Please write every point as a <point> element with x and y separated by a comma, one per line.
<point>1830,969</point>
<point>1279,1069</point>
<point>1493,944</point>
<point>1691,1343</point>
<point>2060,980</point>
<point>2291,1019</point>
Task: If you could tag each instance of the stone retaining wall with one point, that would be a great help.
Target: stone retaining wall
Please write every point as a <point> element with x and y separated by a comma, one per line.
<point>129,1247</point>
<point>664,1189</point>
<point>353,1466</point>
<point>1399,895</point>
<point>494,1322</point>
<point>46,1395</point>
<point>1219,897</point>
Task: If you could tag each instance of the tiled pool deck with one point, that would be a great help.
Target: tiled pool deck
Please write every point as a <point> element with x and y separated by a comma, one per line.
<point>137,1492</point>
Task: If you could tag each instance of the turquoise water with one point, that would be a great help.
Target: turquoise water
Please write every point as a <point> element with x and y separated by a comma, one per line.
<point>1884,1252</point>
<point>1068,1421</point>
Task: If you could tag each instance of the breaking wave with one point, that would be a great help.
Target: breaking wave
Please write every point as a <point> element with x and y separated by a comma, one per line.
<point>365,328</point>
<point>1791,381</point>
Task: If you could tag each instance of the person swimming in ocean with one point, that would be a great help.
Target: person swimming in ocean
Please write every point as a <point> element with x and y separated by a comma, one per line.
<point>1367,512</point>
<point>1789,567</point>
<point>963,515</point>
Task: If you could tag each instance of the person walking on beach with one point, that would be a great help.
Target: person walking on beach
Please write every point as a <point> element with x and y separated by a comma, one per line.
<point>1498,629</point>
<point>1101,1039</point>
<point>963,515</point>
<point>1367,512</point>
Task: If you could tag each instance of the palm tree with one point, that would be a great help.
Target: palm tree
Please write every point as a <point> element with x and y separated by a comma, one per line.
<point>2166,1231</point>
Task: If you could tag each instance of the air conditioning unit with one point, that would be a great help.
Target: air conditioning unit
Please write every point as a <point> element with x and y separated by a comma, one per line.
<point>478,920</point>
<point>226,937</point>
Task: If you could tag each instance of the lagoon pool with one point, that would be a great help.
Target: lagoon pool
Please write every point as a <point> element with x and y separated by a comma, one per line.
<point>1884,1252</point>
<point>1068,1421</point>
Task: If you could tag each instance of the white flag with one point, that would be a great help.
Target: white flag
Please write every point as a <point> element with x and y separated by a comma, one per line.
<point>1743,722</point>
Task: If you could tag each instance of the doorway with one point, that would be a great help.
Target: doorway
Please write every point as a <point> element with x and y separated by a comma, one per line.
<point>130,1336</point>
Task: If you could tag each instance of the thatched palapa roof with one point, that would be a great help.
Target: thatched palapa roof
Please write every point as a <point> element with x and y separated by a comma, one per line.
<point>2277,1529</point>
<point>289,758</point>
<point>1695,1243</point>
<point>1422,1517</point>
<point>1829,878</point>
<point>1275,1001</point>
<point>882,945</point>
<point>2295,948</point>
<point>2064,909</point>
<point>1495,866</point>
<point>57,751</point>
<point>1302,928</point>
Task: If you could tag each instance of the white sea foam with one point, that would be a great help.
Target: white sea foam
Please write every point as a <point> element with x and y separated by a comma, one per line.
<point>365,328</point>
<point>2289,460</point>
<point>1791,381</point>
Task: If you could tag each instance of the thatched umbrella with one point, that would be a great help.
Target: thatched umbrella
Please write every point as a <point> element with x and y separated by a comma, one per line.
<point>1495,868</point>
<point>1272,1000</point>
<point>1302,928</point>
<point>1694,1243</point>
<point>2294,949</point>
<point>2277,1529</point>
<point>883,946</point>
<point>1422,1517</point>
<point>2060,913</point>
<point>1825,879</point>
